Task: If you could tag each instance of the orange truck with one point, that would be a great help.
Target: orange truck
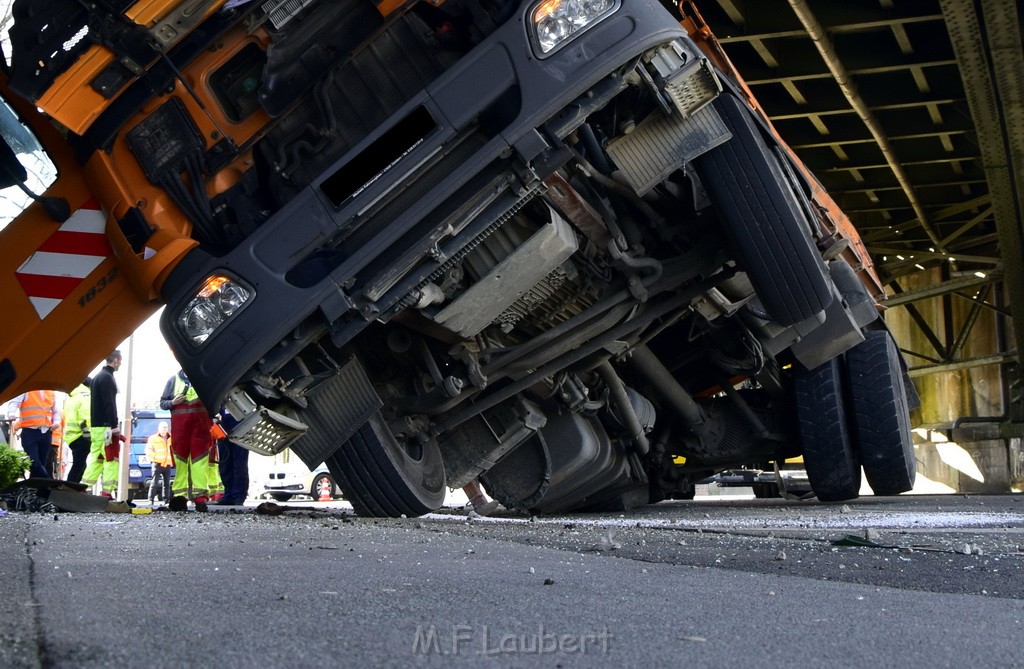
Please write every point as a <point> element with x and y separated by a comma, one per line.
<point>555,247</point>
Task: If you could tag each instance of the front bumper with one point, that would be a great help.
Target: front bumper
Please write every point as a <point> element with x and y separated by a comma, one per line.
<point>502,70</point>
<point>295,488</point>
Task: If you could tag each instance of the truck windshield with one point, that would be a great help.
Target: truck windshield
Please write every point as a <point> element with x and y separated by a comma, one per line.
<point>142,428</point>
<point>30,153</point>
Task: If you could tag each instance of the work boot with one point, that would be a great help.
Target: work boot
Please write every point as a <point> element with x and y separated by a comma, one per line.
<point>201,504</point>
<point>178,503</point>
<point>482,507</point>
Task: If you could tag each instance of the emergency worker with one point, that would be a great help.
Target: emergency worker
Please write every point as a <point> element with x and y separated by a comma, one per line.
<point>158,450</point>
<point>76,428</point>
<point>55,462</point>
<point>190,425</point>
<point>36,413</point>
<point>104,430</point>
<point>234,463</point>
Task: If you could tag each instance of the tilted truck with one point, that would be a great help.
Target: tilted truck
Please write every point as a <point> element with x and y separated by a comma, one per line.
<point>554,246</point>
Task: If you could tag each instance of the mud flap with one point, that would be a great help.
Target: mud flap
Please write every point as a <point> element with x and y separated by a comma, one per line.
<point>337,408</point>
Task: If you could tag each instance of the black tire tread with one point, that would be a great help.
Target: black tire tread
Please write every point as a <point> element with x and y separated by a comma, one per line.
<point>879,414</point>
<point>372,482</point>
<point>829,458</point>
<point>764,220</point>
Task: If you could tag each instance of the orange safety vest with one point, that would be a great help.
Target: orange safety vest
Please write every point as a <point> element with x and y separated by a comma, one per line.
<point>158,450</point>
<point>37,409</point>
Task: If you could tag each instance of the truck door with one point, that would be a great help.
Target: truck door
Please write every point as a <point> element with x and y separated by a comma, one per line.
<point>64,305</point>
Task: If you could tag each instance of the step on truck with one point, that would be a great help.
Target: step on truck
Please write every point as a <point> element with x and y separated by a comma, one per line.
<point>554,246</point>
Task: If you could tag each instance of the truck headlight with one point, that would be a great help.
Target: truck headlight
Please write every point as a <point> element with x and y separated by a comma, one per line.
<point>555,22</point>
<point>219,298</point>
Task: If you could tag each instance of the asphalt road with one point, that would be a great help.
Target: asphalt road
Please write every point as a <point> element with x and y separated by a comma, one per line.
<point>701,584</point>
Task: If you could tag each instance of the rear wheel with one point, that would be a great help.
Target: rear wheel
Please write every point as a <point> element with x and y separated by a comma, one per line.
<point>764,219</point>
<point>879,414</point>
<point>382,477</point>
<point>829,457</point>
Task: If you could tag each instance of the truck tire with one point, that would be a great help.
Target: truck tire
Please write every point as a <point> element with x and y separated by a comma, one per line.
<point>829,457</point>
<point>879,414</point>
<point>763,219</point>
<point>381,478</point>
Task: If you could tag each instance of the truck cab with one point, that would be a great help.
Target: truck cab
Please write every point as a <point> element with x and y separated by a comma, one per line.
<point>552,246</point>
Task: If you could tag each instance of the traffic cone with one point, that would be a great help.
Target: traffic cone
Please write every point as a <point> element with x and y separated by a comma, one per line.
<point>325,495</point>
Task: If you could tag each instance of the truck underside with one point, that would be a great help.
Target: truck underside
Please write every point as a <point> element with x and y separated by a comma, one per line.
<point>560,253</point>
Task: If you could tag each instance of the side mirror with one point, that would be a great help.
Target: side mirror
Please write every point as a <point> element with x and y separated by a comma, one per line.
<point>15,138</point>
<point>12,172</point>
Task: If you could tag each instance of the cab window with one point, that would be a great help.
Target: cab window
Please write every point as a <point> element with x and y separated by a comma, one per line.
<point>39,171</point>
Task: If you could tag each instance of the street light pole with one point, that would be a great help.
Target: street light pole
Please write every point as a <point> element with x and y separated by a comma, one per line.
<point>126,422</point>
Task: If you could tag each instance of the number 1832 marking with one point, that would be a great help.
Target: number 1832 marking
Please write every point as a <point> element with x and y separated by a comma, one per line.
<point>95,290</point>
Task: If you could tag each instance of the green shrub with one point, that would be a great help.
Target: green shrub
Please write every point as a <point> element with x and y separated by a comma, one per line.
<point>12,465</point>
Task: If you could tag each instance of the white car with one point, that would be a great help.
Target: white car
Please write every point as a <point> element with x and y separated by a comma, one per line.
<point>287,480</point>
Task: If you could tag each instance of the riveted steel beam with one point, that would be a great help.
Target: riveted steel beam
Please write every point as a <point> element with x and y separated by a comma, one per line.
<point>944,288</point>
<point>922,324</point>
<point>999,359</point>
<point>989,55</point>
<point>917,254</point>
<point>838,28</point>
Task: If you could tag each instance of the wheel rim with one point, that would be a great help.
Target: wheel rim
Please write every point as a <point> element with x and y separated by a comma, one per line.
<point>323,485</point>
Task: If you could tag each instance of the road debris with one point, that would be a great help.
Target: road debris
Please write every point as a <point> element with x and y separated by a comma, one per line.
<point>607,543</point>
<point>271,509</point>
<point>856,541</point>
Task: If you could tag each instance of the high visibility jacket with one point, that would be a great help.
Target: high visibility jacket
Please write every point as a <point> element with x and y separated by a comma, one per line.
<point>176,386</point>
<point>186,389</point>
<point>158,450</point>
<point>39,409</point>
<point>76,413</point>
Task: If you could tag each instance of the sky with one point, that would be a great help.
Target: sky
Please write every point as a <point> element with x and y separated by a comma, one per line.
<point>148,361</point>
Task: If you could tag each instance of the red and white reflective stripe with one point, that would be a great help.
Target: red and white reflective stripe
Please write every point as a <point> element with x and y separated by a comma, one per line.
<point>63,261</point>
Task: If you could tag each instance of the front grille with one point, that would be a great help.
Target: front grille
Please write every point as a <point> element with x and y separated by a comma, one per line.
<point>354,100</point>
